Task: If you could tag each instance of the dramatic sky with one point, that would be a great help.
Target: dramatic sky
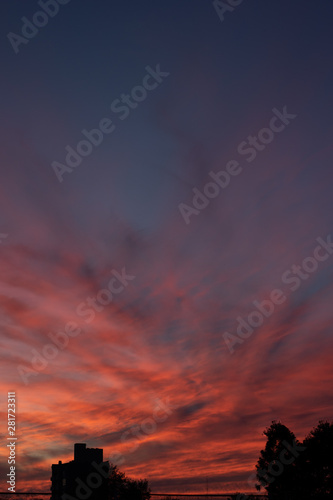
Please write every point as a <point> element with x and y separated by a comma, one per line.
<point>169,334</point>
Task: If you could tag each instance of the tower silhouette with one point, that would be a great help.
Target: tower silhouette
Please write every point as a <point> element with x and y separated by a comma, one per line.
<point>84,477</point>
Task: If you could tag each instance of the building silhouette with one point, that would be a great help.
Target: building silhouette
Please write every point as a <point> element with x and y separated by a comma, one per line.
<point>84,477</point>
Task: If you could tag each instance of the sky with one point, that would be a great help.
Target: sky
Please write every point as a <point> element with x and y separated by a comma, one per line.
<point>133,264</point>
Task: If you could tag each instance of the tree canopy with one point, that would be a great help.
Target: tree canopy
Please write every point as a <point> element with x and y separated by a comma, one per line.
<point>292,470</point>
<point>121,487</point>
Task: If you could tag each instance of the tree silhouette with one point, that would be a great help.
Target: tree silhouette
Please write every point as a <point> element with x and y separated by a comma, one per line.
<point>121,487</point>
<point>277,467</point>
<point>290,470</point>
<point>317,462</point>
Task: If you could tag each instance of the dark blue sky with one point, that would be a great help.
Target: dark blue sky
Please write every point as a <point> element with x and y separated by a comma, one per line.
<point>224,78</point>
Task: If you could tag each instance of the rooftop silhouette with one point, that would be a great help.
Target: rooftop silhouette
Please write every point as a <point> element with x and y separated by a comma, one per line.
<point>84,477</point>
